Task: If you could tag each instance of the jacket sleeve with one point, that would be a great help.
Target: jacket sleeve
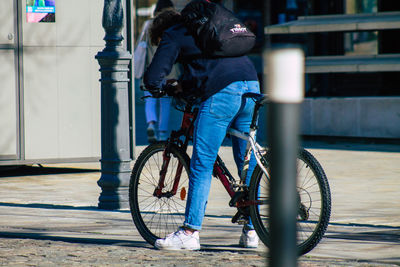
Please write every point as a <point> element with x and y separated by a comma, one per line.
<point>162,62</point>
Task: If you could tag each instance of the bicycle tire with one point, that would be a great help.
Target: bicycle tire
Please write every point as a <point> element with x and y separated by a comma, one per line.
<point>315,202</point>
<point>155,217</point>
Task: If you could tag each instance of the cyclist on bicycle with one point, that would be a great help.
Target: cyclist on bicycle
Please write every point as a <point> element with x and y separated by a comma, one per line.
<point>220,84</point>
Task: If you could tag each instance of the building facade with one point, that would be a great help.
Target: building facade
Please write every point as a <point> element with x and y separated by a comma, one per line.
<point>49,80</point>
<point>352,64</point>
<point>352,60</point>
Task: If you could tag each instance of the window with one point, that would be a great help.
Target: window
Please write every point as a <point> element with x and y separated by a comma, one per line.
<point>339,47</point>
<point>361,43</point>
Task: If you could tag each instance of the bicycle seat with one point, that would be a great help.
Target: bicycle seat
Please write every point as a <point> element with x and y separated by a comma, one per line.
<point>259,99</point>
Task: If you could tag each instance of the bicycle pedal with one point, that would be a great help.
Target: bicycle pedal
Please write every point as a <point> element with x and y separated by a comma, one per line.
<point>240,218</point>
<point>242,221</point>
<point>235,199</point>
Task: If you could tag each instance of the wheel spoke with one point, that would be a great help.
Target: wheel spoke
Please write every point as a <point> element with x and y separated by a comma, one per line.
<point>314,198</point>
<point>155,217</point>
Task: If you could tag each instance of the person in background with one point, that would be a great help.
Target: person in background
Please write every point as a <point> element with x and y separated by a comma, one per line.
<point>157,126</point>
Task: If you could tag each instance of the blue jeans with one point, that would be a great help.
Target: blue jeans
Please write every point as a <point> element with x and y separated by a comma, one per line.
<point>219,112</point>
<point>164,110</point>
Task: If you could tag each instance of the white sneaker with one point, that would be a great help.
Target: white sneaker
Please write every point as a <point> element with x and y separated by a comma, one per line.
<point>249,239</point>
<point>179,240</point>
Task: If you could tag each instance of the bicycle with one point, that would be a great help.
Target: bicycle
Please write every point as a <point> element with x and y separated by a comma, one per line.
<point>159,183</point>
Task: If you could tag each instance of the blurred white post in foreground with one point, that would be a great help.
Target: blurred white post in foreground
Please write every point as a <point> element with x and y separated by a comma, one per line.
<point>284,82</point>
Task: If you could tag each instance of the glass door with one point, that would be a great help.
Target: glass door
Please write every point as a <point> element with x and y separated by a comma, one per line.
<point>8,80</point>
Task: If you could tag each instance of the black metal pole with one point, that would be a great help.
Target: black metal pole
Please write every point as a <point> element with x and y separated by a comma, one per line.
<point>284,82</point>
<point>114,63</point>
<point>283,127</point>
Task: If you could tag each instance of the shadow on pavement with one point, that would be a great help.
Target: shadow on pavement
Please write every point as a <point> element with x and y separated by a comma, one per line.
<point>52,206</point>
<point>228,248</point>
<point>80,240</point>
<point>13,171</point>
<point>87,208</point>
<point>391,236</point>
<point>348,143</point>
<point>364,225</point>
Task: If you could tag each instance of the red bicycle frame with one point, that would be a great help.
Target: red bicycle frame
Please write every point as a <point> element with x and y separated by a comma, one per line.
<point>220,171</point>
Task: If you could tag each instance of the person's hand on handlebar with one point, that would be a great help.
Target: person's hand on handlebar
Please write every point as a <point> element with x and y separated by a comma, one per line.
<point>173,87</point>
<point>156,93</point>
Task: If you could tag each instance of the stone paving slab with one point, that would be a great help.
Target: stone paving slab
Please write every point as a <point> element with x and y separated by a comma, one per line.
<point>51,218</point>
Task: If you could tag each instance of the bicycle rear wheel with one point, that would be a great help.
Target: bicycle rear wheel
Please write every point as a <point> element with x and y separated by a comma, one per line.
<point>314,202</point>
<point>158,214</point>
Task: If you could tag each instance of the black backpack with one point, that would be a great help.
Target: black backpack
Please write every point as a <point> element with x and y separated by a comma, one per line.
<point>216,30</point>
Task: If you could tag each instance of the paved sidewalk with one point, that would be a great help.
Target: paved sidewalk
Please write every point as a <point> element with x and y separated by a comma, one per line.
<point>49,217</point>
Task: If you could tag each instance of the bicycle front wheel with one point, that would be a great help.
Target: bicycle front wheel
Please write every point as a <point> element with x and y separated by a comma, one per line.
<point>158,208</point>
<point>314,202</point>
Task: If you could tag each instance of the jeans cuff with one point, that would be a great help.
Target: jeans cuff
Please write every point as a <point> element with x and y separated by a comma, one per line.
<point>192,227</point>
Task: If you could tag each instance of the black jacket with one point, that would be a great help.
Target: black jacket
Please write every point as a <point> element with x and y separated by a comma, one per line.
<point>205,75</point>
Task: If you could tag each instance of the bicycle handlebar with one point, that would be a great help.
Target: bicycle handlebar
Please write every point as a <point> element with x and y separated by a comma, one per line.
<point>169,89</point>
